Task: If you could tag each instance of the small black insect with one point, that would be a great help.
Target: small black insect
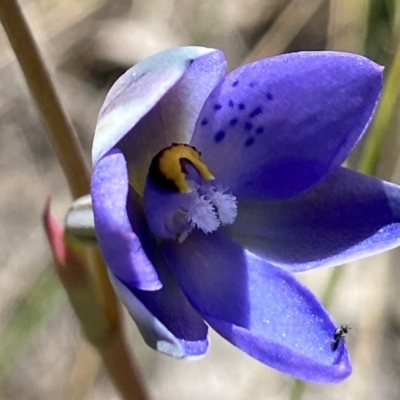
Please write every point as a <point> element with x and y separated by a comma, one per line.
<point>339,335</point>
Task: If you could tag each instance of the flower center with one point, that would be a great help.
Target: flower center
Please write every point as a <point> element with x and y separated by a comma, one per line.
<point>181,194</point>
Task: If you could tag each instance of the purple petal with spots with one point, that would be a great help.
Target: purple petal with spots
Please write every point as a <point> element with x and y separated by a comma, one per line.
<point>259,308</point>
<point>139,90</point>
<point>164,317</point>
<point>119,243</point>
<point>345,217</point>
<point>279,125</point>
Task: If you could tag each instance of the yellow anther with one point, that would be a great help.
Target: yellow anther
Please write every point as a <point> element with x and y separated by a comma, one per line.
<point>171,165</point>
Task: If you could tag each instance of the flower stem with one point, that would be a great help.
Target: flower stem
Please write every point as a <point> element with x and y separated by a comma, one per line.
<point>333,282</point>
<point>380,125</point>
<point>102,301</point>
<point>59,127</point>
<point>297,390</point>
<point>116,359</point>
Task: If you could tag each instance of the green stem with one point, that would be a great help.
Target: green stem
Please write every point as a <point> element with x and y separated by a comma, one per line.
<point>59,127</point>
<point>380,125</point>
<point>297,390</point>
<point>333,283</point>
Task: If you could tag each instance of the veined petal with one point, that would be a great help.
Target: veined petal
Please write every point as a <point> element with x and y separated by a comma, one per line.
<point>274,128</point>
<point>164,317</point>
<point>347,216</point>
<point>157,102</point>
<point>120,244</point>
<point>259,308</point>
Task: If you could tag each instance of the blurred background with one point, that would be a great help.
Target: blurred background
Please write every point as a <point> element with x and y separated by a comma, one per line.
<point>87,45</point>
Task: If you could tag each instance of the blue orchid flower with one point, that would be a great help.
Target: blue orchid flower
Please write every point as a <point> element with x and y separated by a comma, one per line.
<point>209,191</point>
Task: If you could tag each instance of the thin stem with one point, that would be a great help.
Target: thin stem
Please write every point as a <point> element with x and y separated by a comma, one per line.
<point>380,125</point>
<point>84,372</point>
<point>121,369</point>
<point>101,300</point>
<point>103,290</point>
<point>297,390</point>
<point>95,305</point>
<point>333,282</point>
<point>59,127</point>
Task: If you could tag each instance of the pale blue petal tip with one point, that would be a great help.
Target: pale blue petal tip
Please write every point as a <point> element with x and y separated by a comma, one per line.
<point>154,332</point>
<point>137,91</point>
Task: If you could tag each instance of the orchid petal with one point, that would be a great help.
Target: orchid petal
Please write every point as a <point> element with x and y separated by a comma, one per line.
<point>164,317</point>
<point>157,102</point>
<point>173,118</point>
<point>120,244</point>
<point>259,308</point>
<point>274,128</point>
<point>347,216</point>
<point>137,91</point>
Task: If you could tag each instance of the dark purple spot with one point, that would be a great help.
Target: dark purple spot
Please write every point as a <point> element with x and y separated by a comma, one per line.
<point>233,121</point>
<point>248,126</point>
<point>252,84</point>
<point>269,96</point>
<point>217,107</point>
<point>231,104</point>
<point>260,130</point>
<point>249,142</point>
<point>234,84</point>
<point>219,136</point>
<point>204,122</point>
<point>256,111</point>
<point>241,106</point>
